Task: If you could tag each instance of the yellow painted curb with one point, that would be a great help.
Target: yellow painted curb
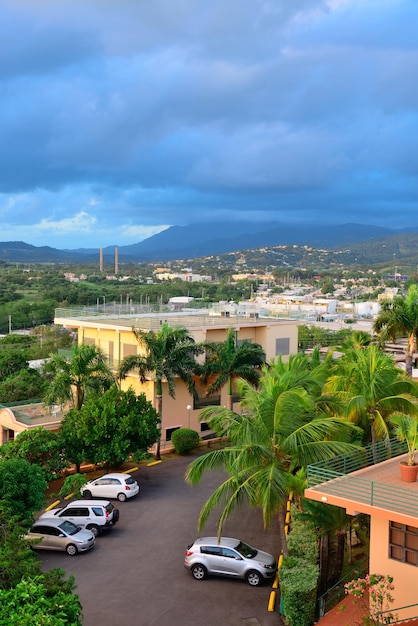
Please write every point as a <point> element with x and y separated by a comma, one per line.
<point>153,463</point>
<point>276,581</point>
<point>70,495</point>
<point>131,469</point>
<point>51,506</point>
<point>272,601</point>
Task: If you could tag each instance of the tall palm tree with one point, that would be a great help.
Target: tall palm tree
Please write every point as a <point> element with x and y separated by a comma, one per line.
<point>371,388</point>
<point>283,427</point>
<point>228,360</point>
<point>168,354</point>
<point>399,318</point>
<point>75,376</point>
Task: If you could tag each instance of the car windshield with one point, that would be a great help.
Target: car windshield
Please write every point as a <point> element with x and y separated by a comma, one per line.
<point>130,480</point>
<point>69,528</point>
<point>246,551</point>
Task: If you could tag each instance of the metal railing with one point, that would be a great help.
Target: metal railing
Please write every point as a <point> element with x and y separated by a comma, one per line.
<point>334,594</point>
<point>394,616</point>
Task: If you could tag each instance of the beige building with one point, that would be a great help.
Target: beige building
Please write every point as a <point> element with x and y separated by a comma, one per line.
<point>371,484</point>
<point>20,416</point>
<point>112,332</point>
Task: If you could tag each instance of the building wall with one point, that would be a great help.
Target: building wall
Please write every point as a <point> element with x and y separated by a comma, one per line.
<point>405,576</point>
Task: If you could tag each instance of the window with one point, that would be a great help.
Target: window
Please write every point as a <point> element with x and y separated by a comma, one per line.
<point>97,511</point>
<point>403,543</point>
<point>283,346</point>
<point>230,554</point>
<point>213,550</point>
<point>129,349</point>
<point>169,432</point>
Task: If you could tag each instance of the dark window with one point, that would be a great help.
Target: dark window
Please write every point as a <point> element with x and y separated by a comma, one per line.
<point>283,346</point>
<point>403,543</point>
<point>200,403</point>
<point>230,554</point>
<point>213,550</point>
<point>204,427</point>
<point>97,511</point>
<point>169,432</point>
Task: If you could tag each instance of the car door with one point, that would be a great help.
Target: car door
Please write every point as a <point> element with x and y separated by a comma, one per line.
<point>101,488</point>
<point>233,564</point>
<point>213,559</point>
<point>41,532</point>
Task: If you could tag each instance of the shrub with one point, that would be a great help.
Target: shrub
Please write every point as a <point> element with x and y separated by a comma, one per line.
<point>298,581</point>
<point>185,440</point>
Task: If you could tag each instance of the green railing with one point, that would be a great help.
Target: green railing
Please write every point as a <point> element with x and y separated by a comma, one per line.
<point>394,616</point>
<point>334,594</point>
<point>334,477</point>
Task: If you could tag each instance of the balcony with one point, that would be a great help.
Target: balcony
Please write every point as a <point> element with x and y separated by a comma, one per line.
<point>367,481</point>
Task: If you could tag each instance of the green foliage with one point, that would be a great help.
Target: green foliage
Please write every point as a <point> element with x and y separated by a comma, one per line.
<point>111,427</point>
<point>29,603</point>
<point>302,542</point>
<point>38,446</point>
<point>185,440</point>
<point>84,372</point>
<point>11,362</point>
<point>16,558</point>
<point>24,385</point>
<point>298,582</point>
<point>72,484</point>
<point>22,487</point>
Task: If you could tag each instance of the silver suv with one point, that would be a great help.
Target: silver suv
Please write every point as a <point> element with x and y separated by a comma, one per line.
<point>95,515</point>
<point>229,557</point>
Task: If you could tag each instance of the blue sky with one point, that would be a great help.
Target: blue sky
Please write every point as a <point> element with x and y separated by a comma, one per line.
<point>120,118</point>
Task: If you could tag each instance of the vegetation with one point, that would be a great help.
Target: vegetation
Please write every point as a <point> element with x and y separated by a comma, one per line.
<point>184,440</point>
<point>399,318</point>
<point>168,354</point>
<point>110,428</point>
<point>285,424</point>
<point>228,360</point>
<point>22,487</point>
<point>371,388</point>
<point>84,371</point>
<point>406,429</point>
<point>39,447</point>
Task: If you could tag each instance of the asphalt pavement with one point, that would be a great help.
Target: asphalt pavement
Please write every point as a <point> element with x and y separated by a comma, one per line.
<point>135,575</point>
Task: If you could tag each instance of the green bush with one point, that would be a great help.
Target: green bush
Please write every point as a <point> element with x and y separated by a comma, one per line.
<point>298,581</point>
<point>185,440</point>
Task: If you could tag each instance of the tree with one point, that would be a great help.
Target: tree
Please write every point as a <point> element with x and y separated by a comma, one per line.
<point>399,318</point>
<point>371,388</point>
<point>30,602</point>
<point>283,427</point>
<point>24,385</point>
<point>85,371</point>
<point>22,487</point>
<point>38,446</point>
<point>168,354</point>
<point>112,427</point>
<point>228,360</point>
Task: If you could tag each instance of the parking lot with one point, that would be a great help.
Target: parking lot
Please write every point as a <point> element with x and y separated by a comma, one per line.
<point>135,575</point>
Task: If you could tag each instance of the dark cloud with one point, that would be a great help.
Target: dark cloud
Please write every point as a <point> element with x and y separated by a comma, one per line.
<point>118,119</point>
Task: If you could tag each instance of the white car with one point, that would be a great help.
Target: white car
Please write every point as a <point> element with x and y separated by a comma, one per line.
<point>120,486</point>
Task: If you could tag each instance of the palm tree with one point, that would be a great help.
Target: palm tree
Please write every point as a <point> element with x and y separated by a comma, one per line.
<point>399,318</point>
<point>168,354</point>
<point>228,360</point>
<point>84,371</point>
<point>283,427</point>
<point>371,388</point>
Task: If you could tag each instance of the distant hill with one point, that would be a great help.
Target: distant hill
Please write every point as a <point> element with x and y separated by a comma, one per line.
<point>203,240</point>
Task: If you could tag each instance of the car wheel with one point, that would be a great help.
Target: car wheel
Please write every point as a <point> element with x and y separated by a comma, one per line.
<point>121,497</point>
<point>94,529</point>
<point>253,578</point>
<point>71,549</point>
<point>87,494</point>
<point>199,571</point>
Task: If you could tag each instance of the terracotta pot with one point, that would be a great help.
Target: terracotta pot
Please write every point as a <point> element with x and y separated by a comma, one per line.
<point>408,472</point>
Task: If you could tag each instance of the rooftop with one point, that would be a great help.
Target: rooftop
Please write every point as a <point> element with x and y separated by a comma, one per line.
<point>367,482</point>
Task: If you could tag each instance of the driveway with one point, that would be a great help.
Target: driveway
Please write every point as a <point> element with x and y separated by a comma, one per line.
<point>135,575</point>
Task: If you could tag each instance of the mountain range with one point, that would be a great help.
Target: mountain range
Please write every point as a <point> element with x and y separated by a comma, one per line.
<point>199,240</point>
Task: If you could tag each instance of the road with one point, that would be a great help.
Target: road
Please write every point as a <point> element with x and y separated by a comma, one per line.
<point>135,575</point>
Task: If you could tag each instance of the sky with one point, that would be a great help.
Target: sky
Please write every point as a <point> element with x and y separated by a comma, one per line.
<point>120,118</point>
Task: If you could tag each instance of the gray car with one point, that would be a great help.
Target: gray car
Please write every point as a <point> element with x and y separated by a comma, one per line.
<point>59,534</point>
<point>229,557</point>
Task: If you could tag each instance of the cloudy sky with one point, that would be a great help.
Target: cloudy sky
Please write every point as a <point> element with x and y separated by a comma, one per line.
<point>119,118</point>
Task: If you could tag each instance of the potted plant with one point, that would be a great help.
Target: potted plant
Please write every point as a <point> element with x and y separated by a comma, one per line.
<point>406,429</point>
